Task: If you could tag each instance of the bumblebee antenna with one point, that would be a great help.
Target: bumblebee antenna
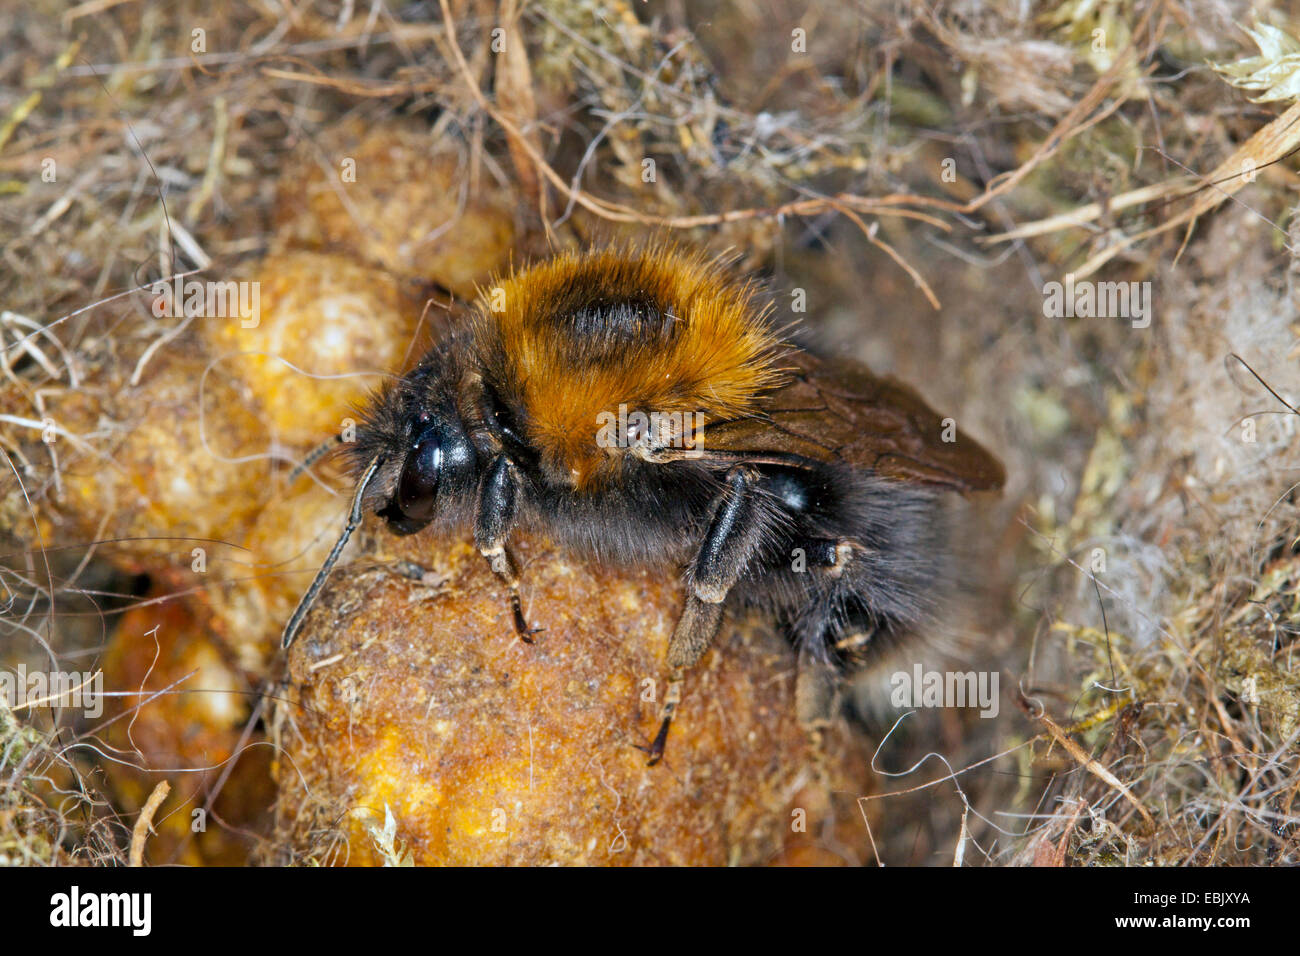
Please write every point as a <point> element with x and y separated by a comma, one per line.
<point>315,455</point>
<point>354,521</point>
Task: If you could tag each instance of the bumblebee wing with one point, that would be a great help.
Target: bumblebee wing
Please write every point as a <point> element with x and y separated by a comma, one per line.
<point>834,411</point>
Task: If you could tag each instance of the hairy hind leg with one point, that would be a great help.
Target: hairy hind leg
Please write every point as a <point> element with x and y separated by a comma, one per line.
<point>730,544</point>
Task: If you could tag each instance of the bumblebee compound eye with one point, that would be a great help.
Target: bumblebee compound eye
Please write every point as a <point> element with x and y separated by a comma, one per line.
<point>414,503</point>
<point>418,486</point>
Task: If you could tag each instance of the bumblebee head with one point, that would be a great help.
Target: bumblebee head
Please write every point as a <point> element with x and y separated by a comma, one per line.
<point>414,427</point>
<point>439,463</point>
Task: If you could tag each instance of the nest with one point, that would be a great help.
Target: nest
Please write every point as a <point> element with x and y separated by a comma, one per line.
<point>923,176</point>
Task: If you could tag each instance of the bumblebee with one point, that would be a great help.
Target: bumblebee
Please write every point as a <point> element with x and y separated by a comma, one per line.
<point>638,406</point>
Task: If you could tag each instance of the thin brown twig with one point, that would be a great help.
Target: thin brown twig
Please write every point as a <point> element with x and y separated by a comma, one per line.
<point>870,233</point>
<point>349,86</point>
<point>1093,767</point>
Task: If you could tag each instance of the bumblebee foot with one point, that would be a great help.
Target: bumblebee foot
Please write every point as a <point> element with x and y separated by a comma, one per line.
<point>656,749</point>
<point>502,563</point>
<point>672,697</point>
<point>521,623</point>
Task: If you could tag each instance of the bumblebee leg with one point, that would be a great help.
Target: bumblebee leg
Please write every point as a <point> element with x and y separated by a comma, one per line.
<point>817,681</point>
<point>694,632</point>
<point>734,535</point>
<point>672,697</point>
<point>816,692</point>
<point>816,700</point>
<point>730,543</point>
<point>830,555</point>
<point>496,515</point>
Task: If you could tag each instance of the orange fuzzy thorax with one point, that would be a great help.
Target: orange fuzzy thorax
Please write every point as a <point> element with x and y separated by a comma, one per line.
<point>692,339</point>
